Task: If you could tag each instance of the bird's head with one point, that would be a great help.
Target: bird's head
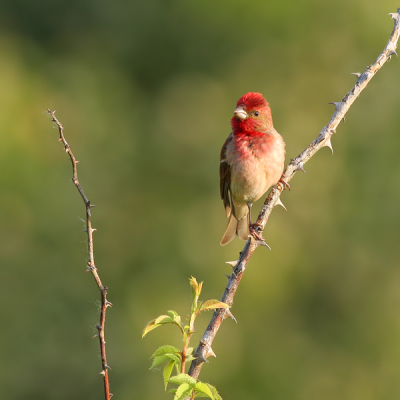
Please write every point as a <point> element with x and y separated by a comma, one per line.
<point>252,113</point>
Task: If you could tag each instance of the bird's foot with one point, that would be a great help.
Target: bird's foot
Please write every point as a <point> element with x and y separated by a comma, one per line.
<point>283,184</point>
<point>255,232</point>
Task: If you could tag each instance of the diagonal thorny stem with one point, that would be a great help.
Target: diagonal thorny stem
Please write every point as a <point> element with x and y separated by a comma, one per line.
<point>91,265</point>
<point>324,139</point>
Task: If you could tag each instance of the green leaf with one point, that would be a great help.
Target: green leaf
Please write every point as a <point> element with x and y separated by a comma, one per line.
<point>159,359</point>
<point>182,378</point>
<point>183,391</point>
<point>167,372</point>
<point>190,358</point>
<point>164,319</point>
<point>164,350</point>
<point>174,357</point>
<point>165,357</point>
<point>204,389</point>
<point>149,327</point>
<point>173,314</point>
<point>196,290</point>
<point>177,318</point>
<point>214,391</point>
<point>189,351</point>
<point>155,323</point>
<point>212,305</point>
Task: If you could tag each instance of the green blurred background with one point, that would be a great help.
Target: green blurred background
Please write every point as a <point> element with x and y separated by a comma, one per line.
<point>146,91</point>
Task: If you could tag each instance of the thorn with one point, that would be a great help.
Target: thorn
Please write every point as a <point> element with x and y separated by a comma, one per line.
<point>393,52</point>
<point>336,104</point>
<point>394,15</point>
<point>328,143</point>
<point>228,276</point>
<point>344,119</point>
<point>60,140</point>
<point>357,74</point>
<point>300,167</point>
<point>228,314</point>
<point>209,352</point>
<point>91,205</point>
<point>90,267</point>
<point>96,335</point>
<point>232,263</point>
<point>84,230</point>
<point>77,162</point>
<point>102,372</point>
<point>262,243</point>
<point>94,229</point>
<point>108,303</point>
<point>279,203</point>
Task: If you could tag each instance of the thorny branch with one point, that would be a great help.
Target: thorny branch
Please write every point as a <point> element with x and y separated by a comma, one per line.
<point>91,265</point>
<point>204,349</point>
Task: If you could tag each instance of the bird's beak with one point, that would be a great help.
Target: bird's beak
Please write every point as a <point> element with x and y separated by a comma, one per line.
<point>240,113</point>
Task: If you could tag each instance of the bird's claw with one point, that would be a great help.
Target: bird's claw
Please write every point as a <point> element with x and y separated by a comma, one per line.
<point>254,232</point>
<point>254,228</point>
<point>282,185</point>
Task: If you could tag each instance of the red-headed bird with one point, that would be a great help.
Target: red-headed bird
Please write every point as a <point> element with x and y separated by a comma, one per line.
<point>252,160</point>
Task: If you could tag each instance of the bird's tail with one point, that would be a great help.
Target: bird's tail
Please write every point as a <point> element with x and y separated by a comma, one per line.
<point>236,227</point>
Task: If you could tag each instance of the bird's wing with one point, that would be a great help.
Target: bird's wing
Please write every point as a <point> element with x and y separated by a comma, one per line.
<point>225,178</point>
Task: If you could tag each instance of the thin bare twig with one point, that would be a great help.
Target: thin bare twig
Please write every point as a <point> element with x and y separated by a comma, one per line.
<point>324,139</point>
<point>91,265</point>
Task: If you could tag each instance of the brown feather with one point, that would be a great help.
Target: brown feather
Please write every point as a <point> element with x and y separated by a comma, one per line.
<point>230,232</point>
<point>225,178</point>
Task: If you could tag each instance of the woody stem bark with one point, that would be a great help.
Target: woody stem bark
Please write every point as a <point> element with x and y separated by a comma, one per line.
<point>90,264</point>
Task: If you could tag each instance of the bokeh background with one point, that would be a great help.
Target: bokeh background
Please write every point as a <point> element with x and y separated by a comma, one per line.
<point>146,90</point>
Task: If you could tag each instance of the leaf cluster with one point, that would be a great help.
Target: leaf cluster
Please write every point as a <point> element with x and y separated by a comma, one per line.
<point>188,386</point>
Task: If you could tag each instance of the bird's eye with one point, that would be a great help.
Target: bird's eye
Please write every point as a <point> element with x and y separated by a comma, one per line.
<point>256,113</point>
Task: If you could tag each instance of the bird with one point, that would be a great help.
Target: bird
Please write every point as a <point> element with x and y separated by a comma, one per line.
<point>252,160</point>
